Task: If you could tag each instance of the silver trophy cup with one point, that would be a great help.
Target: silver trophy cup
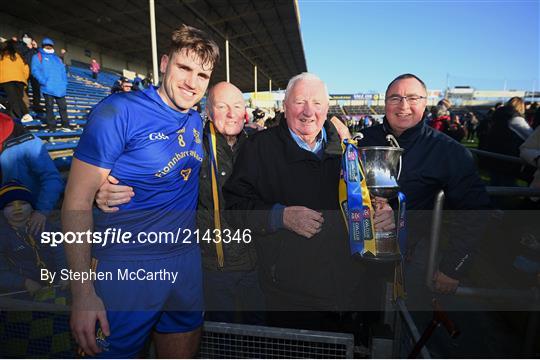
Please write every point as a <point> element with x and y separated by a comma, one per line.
<point>382,167</point>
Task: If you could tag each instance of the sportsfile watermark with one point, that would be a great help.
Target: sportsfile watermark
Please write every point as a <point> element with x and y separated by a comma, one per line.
<point>119,236</point>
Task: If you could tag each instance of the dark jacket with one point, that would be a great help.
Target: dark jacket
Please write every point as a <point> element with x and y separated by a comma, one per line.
<point>296,272</point>
<point>18,260</point>
<point>432,161</point>
<point>502,140</point>
<point>238,255</point>
<point>26,52</point>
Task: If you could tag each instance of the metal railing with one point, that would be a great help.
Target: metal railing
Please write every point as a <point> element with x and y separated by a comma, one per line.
<point>411,328</point>
<point>434,248</point>
<point>498,156</point>
<point>532,296</point>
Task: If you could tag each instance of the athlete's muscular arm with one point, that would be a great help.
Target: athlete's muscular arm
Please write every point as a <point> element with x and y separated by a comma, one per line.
<point>84,180</point>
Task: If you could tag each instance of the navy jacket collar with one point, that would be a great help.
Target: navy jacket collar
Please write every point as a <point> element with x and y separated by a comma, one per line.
<point>409,135</point>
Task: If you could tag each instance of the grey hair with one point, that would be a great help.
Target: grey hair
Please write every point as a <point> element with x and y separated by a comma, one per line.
<point>304,76</point>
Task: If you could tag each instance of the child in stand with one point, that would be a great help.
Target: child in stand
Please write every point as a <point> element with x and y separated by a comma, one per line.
<point>22,256</point>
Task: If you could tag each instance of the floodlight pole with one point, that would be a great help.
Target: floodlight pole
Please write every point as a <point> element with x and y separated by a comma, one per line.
<point>227,59</point>
<point>255,76</point>
<point>155,70</point>
<point>269,85</point>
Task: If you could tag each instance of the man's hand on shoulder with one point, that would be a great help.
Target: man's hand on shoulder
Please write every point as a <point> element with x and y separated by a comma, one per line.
<point>342,129</point>
<point>302,220</point>
<point>110,195</point>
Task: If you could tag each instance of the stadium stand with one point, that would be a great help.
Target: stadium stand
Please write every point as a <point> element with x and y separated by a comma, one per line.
<point>356,109</point>
<point>106,78</point>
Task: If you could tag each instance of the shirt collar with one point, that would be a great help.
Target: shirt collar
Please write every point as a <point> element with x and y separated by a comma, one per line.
<point>152,93</point>
<point>319,144</point>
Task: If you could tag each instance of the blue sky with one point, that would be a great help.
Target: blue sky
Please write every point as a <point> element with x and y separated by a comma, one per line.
<point>361,45</point>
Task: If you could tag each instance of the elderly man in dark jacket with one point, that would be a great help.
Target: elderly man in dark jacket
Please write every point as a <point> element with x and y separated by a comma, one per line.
<point>284,188</point>
<point>230,275</point>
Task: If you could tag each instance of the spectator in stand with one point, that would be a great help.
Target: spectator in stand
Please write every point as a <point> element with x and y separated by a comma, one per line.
<point>138,85</point>
<point>455,130</point>
<point>529,114</point>
<point>147,81</point>
<point>517,122</point>
<point>127,86</point>
<point>14,73</point>
<point>508,131</point>
<point>431,115</point>
<point>49,70</point>
<point>441,121</point>
<point>95,67</point>
<point>121,85</point>
<point>483,129</point>
<point>27,47</point>
<point>258,114</point>
<point>22,256</point>
<point>66,59</point>
<point>446,103</point>
<point>23,157</point>
<point>471,122</point>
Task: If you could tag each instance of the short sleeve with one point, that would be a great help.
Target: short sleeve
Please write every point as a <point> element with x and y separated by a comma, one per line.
<point>106,133</point>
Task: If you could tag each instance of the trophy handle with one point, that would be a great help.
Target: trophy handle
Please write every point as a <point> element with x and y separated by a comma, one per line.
<point>393,142</point>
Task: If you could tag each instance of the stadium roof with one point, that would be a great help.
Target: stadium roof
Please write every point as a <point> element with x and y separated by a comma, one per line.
<point>263,33</point>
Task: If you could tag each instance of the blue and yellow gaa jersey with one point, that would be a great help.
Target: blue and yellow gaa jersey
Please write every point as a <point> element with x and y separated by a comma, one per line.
<point>157,151</point>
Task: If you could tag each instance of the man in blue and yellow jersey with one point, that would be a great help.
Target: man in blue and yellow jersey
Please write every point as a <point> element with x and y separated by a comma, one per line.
<point>142,283</point>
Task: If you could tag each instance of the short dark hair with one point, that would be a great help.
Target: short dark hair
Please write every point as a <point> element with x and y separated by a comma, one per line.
<point>403,77</point>
<point>192,39</point>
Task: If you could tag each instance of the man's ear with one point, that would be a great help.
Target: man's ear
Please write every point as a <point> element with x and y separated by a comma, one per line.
<point>163,64</point>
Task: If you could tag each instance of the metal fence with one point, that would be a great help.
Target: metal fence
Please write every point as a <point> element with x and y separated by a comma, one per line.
<point>225,341</point>
<point>46,333</point>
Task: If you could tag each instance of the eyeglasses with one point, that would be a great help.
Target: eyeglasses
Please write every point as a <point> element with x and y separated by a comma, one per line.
<point>411,100</point>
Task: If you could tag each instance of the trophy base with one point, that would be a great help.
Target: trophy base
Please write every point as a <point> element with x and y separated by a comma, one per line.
<point>379,258</point>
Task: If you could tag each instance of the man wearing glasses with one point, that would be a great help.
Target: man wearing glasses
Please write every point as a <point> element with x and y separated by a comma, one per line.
<point>431,162</point>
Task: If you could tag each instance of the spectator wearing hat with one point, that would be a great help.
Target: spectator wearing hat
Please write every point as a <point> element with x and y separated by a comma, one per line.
<point>14,73</point>
<point>121,85</point>
<point>23,157</point>
<point>50,71</point>
<point>22,256</point>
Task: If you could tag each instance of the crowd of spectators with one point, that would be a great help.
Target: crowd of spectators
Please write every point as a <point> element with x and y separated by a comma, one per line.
<point>503,129</point>
<point>23,63</point>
